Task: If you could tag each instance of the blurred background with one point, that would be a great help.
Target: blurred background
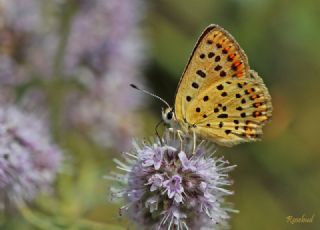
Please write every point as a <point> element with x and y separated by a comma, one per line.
<point>71,63</point>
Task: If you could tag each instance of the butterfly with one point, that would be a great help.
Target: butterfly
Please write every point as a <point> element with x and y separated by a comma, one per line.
<point>219,97</point>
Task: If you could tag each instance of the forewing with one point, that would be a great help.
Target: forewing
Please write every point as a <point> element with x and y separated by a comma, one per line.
<point>216,56</point>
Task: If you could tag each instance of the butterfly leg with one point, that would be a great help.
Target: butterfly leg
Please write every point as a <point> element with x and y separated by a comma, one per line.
<point>157,133</point>
<point>194,142</point>
<point>180,135</point>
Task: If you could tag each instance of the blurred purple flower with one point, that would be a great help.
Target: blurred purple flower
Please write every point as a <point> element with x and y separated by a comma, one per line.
<point>29,161</point>
<point>186,191</point>
<point>104,51</point>
<point>28,40</point>
<point>22,15</point>
<point>105,37</point>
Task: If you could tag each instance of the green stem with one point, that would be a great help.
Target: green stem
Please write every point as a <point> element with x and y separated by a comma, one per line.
<point>66,20</point>
<point>41,223</point>
<point>55,97</point>
<point>57,86</point>
<point>33,219</point>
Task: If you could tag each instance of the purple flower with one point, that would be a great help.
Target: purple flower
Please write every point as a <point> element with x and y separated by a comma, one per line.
<point>152,156</point>
<point>29,162</point>
<point>29,41</point>
<point>152,203</point>
<point>105,61</point>
<point>112,37</point>
<point>100,50</point>
<point>174,187</point>
<point>156,181</point>
<point>186,163</point>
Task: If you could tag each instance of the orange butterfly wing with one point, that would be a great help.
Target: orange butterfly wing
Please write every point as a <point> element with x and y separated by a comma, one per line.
<point>207,99</point>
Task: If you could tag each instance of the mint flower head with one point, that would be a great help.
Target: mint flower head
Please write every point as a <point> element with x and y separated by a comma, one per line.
<point>29,162</point>
<point>106,51</point>
<point>167,186</point>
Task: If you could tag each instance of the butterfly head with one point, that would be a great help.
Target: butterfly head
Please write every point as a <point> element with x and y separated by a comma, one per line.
<point>168,116</point>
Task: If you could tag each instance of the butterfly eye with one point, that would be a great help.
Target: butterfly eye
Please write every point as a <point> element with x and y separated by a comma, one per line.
<point>169,115</point>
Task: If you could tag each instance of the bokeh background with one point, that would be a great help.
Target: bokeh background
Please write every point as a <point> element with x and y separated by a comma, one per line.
<point>71,62</point>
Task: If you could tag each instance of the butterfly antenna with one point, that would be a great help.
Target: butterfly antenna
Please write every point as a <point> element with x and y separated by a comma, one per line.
<point>151,94</point>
